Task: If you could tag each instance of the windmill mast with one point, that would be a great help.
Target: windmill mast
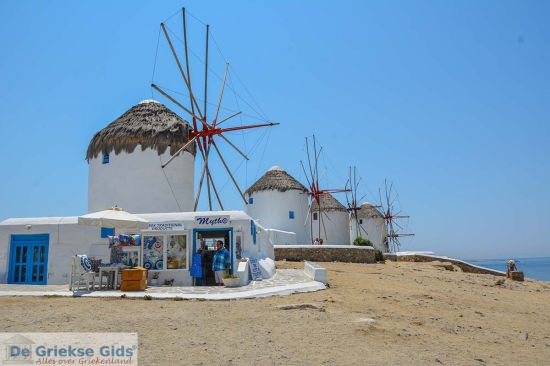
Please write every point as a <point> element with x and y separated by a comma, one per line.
<point>315,192</point>
<point>391,218</point>
<point>205,132</point>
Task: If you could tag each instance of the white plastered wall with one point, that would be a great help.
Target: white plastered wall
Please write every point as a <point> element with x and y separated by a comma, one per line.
<point>66,239</point>
<point>373,228</point>
<point>271,209</point>
<point>336,227</point>
<point>137,183</point>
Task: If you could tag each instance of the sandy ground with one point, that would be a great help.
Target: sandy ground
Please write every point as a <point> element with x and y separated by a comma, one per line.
<point>383,314</point>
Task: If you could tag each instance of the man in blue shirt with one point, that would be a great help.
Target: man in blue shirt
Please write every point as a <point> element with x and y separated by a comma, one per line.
<point>221,263</point>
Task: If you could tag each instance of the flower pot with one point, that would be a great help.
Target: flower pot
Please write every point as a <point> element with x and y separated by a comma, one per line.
<point>232,282</point>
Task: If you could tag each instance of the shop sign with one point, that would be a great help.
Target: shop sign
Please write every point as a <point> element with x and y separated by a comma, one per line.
<point>211,220</point>
<point>166,226</point>
<point>255,269</point>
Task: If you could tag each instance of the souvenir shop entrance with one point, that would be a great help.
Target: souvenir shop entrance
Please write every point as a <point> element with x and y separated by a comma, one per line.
<point>204,243</point>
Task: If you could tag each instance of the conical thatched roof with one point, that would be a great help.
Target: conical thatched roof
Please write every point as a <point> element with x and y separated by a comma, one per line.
<point>149,124</point>
<point>368,210</point>
<point>328,203</point>
<point>276,179</point>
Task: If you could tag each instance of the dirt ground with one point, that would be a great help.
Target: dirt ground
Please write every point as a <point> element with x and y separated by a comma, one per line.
<point>379,314</point>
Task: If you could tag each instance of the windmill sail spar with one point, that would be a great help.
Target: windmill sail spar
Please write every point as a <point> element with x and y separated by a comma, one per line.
<point>205,132</point>
<point>316,194</point>
<point>392,241</point>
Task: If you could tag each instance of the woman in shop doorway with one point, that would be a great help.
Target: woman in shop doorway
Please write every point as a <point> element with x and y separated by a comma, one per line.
<point>221,263</point>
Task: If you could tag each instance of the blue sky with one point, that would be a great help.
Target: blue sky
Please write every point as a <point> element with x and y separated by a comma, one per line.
<point>449,100</point>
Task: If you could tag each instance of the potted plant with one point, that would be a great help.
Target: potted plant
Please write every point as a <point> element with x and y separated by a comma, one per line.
<point>230,280</point>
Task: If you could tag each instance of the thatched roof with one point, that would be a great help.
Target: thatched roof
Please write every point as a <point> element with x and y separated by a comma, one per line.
<point>368,210</point>
<point>328,203</point>
<point>276,179</point>
<point>149,124</point>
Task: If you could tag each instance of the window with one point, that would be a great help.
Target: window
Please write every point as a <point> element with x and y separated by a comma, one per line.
<point>105,158</point>
<point>291,215</point>
<point>176,252</point>
<point>315,216</point>
<point>162,252</point>
<point>107,231</point>
<point>130,256</point>
<point>250,200</point>
<point>153,247</point>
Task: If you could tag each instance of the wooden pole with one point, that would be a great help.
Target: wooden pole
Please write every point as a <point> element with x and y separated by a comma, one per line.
<point>187,59</point>
<point>157,88</point>
<point>205,162</point>
<point>214,188</point>
<point>206,72</point>
<point>221,95</point>
<point>233,146</point>
<point>179,66</point>
<point>177,152</point>
<point>226,118</point>
<point>229,172</point>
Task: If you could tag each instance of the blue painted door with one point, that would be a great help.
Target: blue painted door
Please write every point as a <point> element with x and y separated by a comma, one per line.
<point>29,259</point>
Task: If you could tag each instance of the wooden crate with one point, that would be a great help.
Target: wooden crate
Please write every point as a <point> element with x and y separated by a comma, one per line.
<point>140,285</point>
<point>134,274</point>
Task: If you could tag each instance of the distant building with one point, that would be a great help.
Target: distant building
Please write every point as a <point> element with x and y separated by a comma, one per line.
<point>332,222</point>
<point>278,201</point>
<point>369,225</point>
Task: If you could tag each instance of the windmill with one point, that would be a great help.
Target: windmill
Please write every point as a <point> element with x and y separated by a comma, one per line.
<point>353,202</point>
<point>316,193</point>
<point>205,127</point>
<point>391,218</point>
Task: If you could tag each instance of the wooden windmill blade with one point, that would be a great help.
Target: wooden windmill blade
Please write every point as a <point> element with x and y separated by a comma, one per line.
<point>391,218</point>
<point>203,132</point>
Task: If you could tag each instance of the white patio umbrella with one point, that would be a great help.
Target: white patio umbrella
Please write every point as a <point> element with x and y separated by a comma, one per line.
<point>114,217</point>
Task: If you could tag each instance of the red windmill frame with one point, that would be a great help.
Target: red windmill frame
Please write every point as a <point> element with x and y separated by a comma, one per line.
<point>315,191</point>
<point>203,132</point>
<point>354,204</point>
<point>393,227</point>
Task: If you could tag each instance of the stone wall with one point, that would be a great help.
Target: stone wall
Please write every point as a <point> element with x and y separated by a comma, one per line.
<point>466,267</point>
<point>325,253</point>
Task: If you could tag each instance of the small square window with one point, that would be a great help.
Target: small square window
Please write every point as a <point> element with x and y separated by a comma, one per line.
<point>250,200</point>
<point>315,216</point>
<point>105,158</point>
<point>107,231</point>
<point>291,215</point>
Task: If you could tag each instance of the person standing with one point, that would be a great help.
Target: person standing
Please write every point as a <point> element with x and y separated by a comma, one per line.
<point>221,263</point>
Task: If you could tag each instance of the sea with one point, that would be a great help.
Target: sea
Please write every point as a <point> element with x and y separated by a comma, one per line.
<point>534,268</point>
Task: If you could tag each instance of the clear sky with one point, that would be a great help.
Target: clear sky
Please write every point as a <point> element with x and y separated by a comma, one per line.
<point>449,100</point>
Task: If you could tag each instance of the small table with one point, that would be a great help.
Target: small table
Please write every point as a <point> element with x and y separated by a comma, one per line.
<point>111,272</point>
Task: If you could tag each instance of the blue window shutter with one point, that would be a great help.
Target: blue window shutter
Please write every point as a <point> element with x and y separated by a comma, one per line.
<point>250,200</point>
<point>253,231</point>
<point>291,215</point>
<point>105,158</point>
<point>107,231</point>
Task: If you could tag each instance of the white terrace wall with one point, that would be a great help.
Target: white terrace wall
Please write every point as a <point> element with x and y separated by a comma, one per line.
<point>271,208</point>
<point>137,183</point>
